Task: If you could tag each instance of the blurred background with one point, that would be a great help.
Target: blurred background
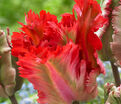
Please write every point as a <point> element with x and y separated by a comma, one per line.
<point>12,11</point>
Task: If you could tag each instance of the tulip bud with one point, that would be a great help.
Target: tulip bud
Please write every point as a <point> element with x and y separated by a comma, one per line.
<point>107,88</point>
<point>2,92</point>
<point>114,96</point>
<point>107,31</point>
<point>116,44</point>
<point>7,73</point>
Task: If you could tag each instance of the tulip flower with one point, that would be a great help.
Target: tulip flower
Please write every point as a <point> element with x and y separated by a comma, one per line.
<point>60,58</point>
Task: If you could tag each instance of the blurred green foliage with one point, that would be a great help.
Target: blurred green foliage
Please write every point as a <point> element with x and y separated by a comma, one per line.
<point>12,11</point>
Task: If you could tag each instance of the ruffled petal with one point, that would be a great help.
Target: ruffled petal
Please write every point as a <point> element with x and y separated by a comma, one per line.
<point>51,86</point>
<point>21,44</point>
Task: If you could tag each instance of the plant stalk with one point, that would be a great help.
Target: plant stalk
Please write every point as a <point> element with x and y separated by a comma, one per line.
<point>13,99</point>
<point>75,102</point>
<point>115,74</point>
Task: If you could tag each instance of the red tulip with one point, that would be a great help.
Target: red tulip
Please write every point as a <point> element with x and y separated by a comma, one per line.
<point>60,59</point>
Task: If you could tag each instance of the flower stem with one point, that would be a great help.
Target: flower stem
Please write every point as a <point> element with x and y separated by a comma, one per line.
<point>13,99</point>
<point>75,102</point>
<point>115,74</point>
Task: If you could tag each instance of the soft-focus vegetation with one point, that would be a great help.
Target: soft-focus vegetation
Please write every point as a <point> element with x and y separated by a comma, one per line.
<point>12,11</point>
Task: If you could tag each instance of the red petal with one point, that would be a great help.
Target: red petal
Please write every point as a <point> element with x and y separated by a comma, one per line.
<point>68,20</point>
<point>51,86</point>
<point>94,40</point>
<point>21,44</point>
